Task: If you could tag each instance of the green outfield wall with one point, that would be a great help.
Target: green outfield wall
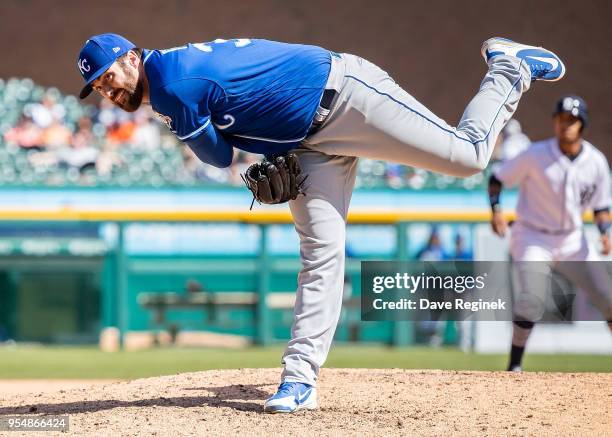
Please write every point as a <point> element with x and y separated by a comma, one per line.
<point>66,290</point>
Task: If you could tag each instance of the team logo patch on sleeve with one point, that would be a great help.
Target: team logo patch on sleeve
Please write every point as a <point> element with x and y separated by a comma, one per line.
<point>164,119</point>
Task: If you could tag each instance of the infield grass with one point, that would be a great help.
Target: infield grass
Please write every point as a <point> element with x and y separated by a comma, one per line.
<point>27,362</point>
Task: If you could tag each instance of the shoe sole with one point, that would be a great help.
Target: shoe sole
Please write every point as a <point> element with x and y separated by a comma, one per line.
<point>505,42</point>
<point>307,406</point>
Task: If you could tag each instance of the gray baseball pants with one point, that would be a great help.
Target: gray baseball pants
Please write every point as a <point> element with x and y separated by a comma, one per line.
<point>374,118</point>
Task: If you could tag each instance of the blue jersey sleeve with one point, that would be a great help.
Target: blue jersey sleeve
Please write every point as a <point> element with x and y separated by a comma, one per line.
<point>191,121</point>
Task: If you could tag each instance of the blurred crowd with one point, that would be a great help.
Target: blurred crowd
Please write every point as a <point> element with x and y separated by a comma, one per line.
<point>47,138</point>
<point>434,249</point>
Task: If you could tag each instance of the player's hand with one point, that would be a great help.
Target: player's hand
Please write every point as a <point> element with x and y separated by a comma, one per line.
<point>605,244</point>
<point>499,223</point>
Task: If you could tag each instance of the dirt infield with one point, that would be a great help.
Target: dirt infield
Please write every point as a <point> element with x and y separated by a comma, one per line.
<point>353,402</point>
<point>36,386</point>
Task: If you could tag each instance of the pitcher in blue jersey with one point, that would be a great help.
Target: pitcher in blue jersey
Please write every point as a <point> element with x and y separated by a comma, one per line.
<point>330,109</point>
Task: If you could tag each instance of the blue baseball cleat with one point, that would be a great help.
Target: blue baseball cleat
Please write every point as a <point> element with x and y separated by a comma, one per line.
<point>544,64</point>
<point>291,397</point>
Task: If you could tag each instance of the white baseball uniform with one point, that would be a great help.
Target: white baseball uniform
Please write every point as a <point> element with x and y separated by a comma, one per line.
<point>373,117</point>
<point>554,194</point>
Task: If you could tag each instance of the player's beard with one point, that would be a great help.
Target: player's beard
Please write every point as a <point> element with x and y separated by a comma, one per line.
<point>133,91</point>
<point>134,98</point>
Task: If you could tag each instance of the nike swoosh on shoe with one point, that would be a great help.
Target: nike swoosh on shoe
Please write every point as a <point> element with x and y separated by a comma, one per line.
<point>552,61</point>
<point>304,396</point>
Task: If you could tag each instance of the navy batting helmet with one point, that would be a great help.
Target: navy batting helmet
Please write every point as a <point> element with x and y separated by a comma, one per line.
<point>575,105</point>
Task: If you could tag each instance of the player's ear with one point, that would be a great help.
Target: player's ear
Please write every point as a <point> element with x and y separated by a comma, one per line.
<point>133,58</point>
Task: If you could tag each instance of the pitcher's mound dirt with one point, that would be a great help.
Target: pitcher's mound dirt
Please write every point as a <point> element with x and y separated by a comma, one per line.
<point>353,402</point>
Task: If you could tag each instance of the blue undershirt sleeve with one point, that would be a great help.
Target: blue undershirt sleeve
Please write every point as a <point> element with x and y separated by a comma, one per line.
<point>210,147</point>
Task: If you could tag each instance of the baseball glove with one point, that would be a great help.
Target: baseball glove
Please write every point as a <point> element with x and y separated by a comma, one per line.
<point>276,180</point>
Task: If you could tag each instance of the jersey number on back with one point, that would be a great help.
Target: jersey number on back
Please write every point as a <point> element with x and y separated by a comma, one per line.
<point>207,47</point>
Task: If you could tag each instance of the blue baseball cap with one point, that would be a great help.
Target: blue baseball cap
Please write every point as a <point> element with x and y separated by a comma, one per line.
<point>99,53</point>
